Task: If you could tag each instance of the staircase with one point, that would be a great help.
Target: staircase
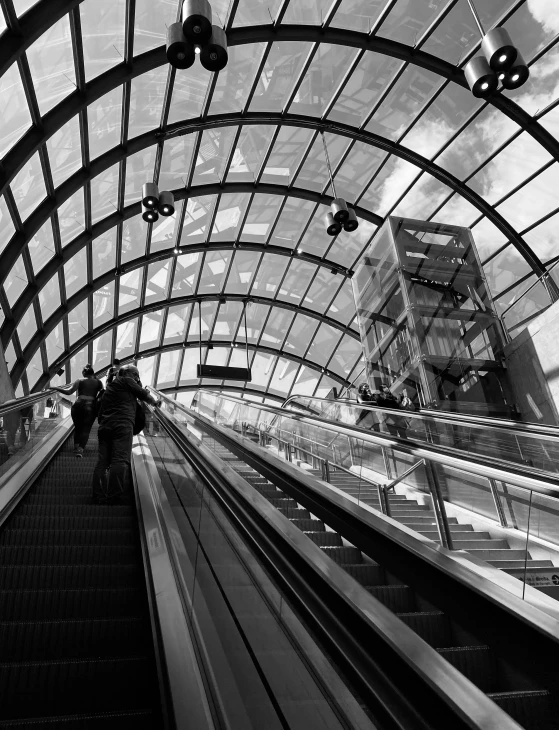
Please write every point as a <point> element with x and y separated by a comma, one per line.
<point>533,708</point>
<point>421,519</point>
<point>75,637</point>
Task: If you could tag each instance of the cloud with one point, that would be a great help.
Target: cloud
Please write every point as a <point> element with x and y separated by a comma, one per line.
<point>545,12</point>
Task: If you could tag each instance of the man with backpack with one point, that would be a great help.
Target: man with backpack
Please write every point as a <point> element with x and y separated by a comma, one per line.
<point>117,418</point>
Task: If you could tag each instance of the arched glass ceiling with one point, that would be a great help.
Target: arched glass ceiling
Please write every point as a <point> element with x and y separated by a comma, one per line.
<point>91,110</point>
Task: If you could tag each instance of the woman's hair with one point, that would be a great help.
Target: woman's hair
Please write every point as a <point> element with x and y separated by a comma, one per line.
<point>88,371</point>
<point>116,361</point>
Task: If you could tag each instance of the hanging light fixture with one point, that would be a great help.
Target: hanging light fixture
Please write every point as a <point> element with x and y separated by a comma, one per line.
<point>501,61</point>
<point>351,224</point>
<point>339,211</point>
<point>197,21</point>
<point>180,53</point>
<point>214,56</point>
<point>150,195</point>
<point>150,215</point>
<point>166,203</point>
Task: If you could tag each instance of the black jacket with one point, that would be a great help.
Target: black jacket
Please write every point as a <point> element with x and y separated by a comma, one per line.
<point>119,401</point>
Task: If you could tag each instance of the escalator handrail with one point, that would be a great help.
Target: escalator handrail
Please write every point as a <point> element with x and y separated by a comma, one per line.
<point>518,475</point>
<point>17,404</point>
<point>482,422</point>
<point>258,517</point>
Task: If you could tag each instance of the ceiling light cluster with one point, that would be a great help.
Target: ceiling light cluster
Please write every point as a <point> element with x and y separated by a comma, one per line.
<point>340,213</point>
<point>196,36</point>
<point>155,202</point>
<point>501,61</point>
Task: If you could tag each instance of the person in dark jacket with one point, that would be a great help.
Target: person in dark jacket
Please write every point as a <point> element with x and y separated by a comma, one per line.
<point>113,370</point>
<point>84,409</point>
<point>117,414</point>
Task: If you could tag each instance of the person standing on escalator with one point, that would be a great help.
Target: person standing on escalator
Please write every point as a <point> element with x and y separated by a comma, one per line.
<point>84,410</point>
<point>117,416</point>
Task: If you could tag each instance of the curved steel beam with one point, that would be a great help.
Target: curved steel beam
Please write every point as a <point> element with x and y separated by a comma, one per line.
<point>76,181</point>
<point>40,336</point>
<point>48,271</point>
<point>225,388</point>
<point>45,377</point>
<point>95,89</point>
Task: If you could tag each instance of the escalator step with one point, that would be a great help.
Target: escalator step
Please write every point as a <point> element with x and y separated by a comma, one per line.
<point>342,555</point>
<point>532,709</point>
<point>22,641</point>
<point>67,555</point>
<point>68,537</point>
<point>309,525</point>
<point>330,539</point>
<point>432,626</point>
<point>295,513</point>
<point>77,522</point>
<point>89,510</point>
<point>32,689</point>
<point>60,498</point>
<point>399,599</point>
<point>65,577</point>
<point>42,605</point>
<point>477,663</point>
<point>366,574</point>
<point>136,720</point>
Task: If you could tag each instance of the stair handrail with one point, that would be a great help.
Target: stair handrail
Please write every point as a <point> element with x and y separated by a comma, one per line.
<point>517,475</point>
<point>533,429</point>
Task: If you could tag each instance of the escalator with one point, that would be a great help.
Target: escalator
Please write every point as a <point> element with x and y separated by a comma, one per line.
<point>503,647</point>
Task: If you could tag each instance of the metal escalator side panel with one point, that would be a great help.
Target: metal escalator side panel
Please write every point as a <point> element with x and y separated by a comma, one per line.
<point>190,704</point>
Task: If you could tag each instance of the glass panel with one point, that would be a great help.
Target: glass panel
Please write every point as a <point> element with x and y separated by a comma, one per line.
<point>77,363</point>
<point>249,154</point>
<point>301,335</point>
<point>75,273</point>
<point>103,250</point>
<point>27,327</point>
<point>274,329</point>
<point>167,375</point>
<point>407,23</point>
<point>269,275</point>
<point>104,121</point>
<point>213,272</point>
<point>65,151</point>
<point>321,291</point>
<point>134,237</point>
<point>71,217</point>
<point>163,232</point>
<point>213,155</point>
<point>41,247</point>
<point>189,92</point>
<point>322,345</point>
<point>296,281</point>
<point>49,298</point>
<point>186,274</point>
<point>260,218</point>
<point>28,187</point>
<point>177,153</point>
<point>146,101</point>
<point>16,118</point>
<point>242,270</point>
<point>146,367</point>
<point>228,319</point>
<point>102,347</point>
<point>175,328</point>
<point>130,291</point>
<point>235,81</point>
<point>103,31</point>
<point>286,154</point>
<point>126,339</point>
<point>7,228</point>
<point>16,282</point>
<point>533,201</point>
<point>157,285</point>
<point>229,216</point>
<point>343,307</point>
<point>51,61</point>
<point>77,325</point>
<point>283,65</point>
<point>35,369</point>
<point>292,221</point>
<point>150,22</point>
<point>104,193</point>
<point>103,304</point>
<point>55,344</point>
<point>151,330</point>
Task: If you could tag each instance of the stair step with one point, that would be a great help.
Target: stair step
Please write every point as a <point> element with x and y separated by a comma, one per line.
<point>341,555</point>
<point>490,554</point>
<point>22,641</point>
<point>532,709</point>
<point>477,663</point>
<point>67,537</point>
<point>67,577</point>
<point>133,720</point>
<point>78,522</point>
<point>325,538</point>
<point>457,535</point>
<point>66,555</point>
<point>365,573</point>
<point>89,686</point>
<point>507,565</point>
<point>295,513</point>
<point>432,626</point>
<point>481,545</point>
<point>310,525</point>
<point>399,599</point>
<point>42,605</point>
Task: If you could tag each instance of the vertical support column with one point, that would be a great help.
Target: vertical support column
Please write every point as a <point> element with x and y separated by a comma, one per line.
<point>6,386</point>
<point>438,506</point>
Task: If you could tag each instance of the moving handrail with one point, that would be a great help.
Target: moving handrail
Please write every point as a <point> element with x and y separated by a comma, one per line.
<point>17,404</point>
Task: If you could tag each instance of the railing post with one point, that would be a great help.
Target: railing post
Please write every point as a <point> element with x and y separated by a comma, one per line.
<point>383,500</point>
<point>325,470</point>
<point>498,504</point>
<point>438,506</point>
<point>386,463</point>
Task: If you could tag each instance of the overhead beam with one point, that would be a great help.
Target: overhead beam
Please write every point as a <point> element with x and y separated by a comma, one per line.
<point>44,379</point>
<point>226,389</point>
<point>31,291</point>
<point>98,166</point>
<point>40,336</point>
